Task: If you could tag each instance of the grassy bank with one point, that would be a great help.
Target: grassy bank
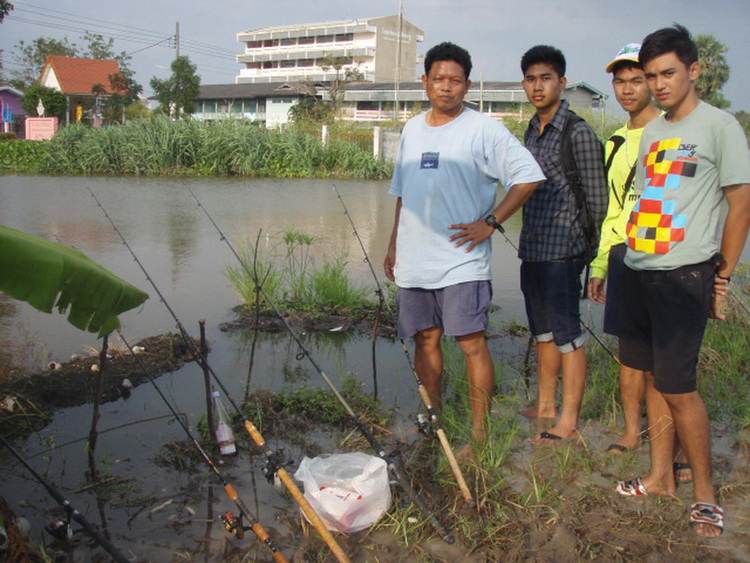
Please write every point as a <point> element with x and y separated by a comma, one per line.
<point>158,146</point>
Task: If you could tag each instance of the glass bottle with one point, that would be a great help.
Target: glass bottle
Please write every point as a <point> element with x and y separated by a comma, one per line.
<point>224,434</point>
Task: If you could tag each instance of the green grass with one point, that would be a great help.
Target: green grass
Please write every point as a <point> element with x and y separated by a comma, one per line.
<point>291,277</point>
<point>158,146</point>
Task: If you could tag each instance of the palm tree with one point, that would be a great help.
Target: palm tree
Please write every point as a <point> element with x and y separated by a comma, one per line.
<point>714,70</point>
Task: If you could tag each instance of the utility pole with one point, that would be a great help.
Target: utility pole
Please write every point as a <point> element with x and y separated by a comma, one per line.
<point>176,39</point>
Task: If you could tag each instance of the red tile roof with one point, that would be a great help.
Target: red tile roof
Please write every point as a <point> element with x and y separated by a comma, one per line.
<point>78,76</point>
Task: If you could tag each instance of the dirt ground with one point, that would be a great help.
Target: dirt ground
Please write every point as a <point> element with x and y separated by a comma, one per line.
<point>28,402</point>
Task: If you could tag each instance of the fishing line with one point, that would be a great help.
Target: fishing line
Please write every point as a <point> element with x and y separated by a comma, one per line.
<point>232,523</point>
<point>441,530</point>
<point>274,466</point>
<point>69,509</point>
<point>585,326</point>
<point>434,421</point>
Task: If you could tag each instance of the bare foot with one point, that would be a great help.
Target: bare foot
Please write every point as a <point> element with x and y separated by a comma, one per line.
<point>535,411</point>
<point>707,519</point>
<point>656,486</point>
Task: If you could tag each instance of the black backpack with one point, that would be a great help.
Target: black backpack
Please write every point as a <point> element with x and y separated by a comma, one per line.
<point>570,169</point>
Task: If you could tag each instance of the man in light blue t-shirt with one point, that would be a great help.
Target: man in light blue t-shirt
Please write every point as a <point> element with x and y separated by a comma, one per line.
<point>450,163</point>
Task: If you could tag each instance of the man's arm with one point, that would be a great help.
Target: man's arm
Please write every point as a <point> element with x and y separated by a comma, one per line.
<point>479,230</point>
<point>390,258</point>
<point>733,240</point>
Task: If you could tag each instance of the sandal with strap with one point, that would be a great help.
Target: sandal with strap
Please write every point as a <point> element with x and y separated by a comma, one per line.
<point>705,513</point>
<point>632,488</point>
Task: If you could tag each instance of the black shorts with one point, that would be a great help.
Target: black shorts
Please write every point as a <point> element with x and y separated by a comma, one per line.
<point>613,306</point>
<point>664,316</point>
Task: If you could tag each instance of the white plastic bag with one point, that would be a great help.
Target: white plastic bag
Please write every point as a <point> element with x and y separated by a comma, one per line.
<point>350,492</point>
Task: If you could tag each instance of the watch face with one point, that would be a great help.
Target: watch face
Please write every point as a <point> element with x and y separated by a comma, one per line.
<point>491,221</point>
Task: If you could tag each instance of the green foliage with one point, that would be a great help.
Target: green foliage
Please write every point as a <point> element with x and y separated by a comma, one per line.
<point>714,70</point>
<point>21,156</point>
<point>743,117</point>
<point>5,8</point>
<point>291,279</point>
<point>158,146</point>
<point>30,58</point>
<point>177,93</point>
<point>47,274</point>
<point>53,101</point>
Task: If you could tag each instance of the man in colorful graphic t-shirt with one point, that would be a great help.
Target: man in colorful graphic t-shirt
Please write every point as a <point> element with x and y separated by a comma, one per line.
<point>685,236</point>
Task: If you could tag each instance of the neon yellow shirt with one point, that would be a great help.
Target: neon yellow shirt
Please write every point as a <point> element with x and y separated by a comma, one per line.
<point>622,198</point>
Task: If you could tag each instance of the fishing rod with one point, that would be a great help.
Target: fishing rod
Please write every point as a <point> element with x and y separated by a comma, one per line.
<point>393,466</point>
<point>274,466</point>
<point>585,326</point>
<point>434,421</point>
<point>69,509</point>
<point>234,524</point>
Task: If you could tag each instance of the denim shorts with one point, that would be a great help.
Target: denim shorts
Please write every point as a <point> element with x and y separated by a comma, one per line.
<point>613,306</point>
<point>551,292</point>
<point>457,309</point>
<point>664,316</point>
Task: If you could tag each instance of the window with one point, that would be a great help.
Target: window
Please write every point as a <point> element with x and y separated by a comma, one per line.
<point>345,37</point>
<point>287,64</point>
<point>287,41</point>
<point>306,41</point>
<point>271,43</point>
<point>305,62</point>
<point>324,39</point>
<point>270,64</point>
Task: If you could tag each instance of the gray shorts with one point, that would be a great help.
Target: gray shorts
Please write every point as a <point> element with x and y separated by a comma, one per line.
<point>457,309</point>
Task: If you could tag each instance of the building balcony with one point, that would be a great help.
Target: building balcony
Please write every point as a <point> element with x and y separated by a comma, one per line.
<point>297,53</point>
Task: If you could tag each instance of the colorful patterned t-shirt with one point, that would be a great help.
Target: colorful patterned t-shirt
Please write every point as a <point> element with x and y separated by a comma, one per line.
<point>682,169</point>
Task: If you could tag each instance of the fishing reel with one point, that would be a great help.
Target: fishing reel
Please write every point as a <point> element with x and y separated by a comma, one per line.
<point>234,525</point>
<point>423,424</point>
<point>60,529</point>
<point>274,462</point>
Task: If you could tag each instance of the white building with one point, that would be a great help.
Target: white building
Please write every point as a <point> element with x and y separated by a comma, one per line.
<point>382,49</point>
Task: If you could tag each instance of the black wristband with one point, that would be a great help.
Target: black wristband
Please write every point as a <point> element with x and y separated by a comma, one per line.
<point>728,278</point>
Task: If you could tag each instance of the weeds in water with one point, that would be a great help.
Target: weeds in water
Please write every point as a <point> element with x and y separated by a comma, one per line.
<point>289,275</point>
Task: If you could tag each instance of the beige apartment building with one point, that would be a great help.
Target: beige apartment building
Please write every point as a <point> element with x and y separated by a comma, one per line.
<point>382,49</point>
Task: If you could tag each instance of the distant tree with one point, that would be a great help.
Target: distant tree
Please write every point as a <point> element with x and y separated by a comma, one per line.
<point>32,56</point>
<point>714,70</point>
<point>344,76</point>
<point>5,8</point>
<point>100,47</point>
<point>136,110</point>
<point>177,94</point>
<point>311,107</point>
<point>744,119</point>
<point>52,100</point>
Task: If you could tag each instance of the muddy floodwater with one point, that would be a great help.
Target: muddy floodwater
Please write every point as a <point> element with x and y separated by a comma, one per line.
<point>161,504</point>
<point>163,509</point>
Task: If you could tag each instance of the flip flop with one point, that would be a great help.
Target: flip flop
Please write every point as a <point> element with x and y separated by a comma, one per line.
<point>678,466</point>
<point>618,448</point>
<point>705,513</point>
<point>632,488</point>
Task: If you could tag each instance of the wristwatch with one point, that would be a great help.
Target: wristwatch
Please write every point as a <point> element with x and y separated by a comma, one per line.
<point>491,220</point>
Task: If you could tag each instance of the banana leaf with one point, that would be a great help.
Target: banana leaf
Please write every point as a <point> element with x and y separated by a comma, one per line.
<point>46,274</point>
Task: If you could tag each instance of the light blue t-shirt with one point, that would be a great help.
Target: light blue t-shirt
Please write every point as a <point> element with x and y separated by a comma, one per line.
<point>447,175</point>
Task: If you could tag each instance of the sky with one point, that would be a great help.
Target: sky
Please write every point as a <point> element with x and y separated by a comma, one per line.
<point>495,32</point>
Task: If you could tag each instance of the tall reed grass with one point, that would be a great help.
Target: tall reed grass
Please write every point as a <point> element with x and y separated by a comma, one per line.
<point>158,146</point>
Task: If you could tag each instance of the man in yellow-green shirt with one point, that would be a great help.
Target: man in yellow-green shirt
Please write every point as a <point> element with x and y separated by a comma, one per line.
<point>621,153</point>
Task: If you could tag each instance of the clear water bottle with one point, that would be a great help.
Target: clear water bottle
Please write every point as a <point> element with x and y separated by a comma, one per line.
<point>224,433</point>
